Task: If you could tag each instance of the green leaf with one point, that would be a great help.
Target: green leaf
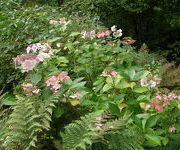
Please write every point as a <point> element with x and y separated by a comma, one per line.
<point>106,87</point>
<point>61,60</point>
<point>78,85</point>
<point>74,34</point>
<point>152,121</point>
<point>114,109</point>
<point>144,123</point>
<point>140,89</point>
<point>58,111</point>
<point>55,39</point>
<point>123,85</point>
<point>143,97</point>
<point>154,139</point>
<point>8,99</point>
<point>36,78</point>
<point>131,73</point>
<point>140,75</point>
<point>164,140</point>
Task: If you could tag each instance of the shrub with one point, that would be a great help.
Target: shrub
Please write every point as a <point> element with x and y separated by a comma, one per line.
<point>84,88</point>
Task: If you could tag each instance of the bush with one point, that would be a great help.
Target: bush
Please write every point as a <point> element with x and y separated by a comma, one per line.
<point>151,22</point>
<point>84,88</point>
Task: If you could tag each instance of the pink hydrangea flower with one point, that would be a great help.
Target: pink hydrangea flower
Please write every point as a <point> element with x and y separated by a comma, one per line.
<point>103,34</point>
<point>159,107</point>
<point>21,58</point>
<point>113,73</point>
<point>107,33</point>
<point>62,76</point>
<point>28,65</point>
<point>56,87</point>
<point>30,89</point>
<point>166,103</point>
<point>90,34</point>
<point>38,47</point>
<point>149,82</point>
<point>42,56</point>
<point>52,81</point>
<point>76,96</point>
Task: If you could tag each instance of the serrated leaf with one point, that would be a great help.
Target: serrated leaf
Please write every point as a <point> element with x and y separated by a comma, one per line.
<point>36,78</point>
<point>78,85</point>
<point>114,109</point>
<point>140,89</point>
<point>140,75</point>
<point>106,87</point>
<point>152,121</point>
<point>74,102</point>
<point>154,139</point>
<point>75,33</point>
<point>131,73</point>
<point>123,85</point>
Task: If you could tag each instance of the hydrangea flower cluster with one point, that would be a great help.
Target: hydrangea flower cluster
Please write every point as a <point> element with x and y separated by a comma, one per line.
<point>149,82</point>
<point>28,61</point>
<point>36,47</point>
<point>102,34</point>
<point>108,74</point>
<point>163,100</point>
<point>57,21</point>
<point>91,34</point>
<point>76,96</point>
<point>30,89</point>
<point>55,82</point>
<point>116,33</point>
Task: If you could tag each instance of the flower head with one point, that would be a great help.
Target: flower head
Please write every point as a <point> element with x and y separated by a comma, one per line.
<point>76,96</point>
<point>113,28</point>
<point>30,89</point>
<point>118,33</point>
<point>56,81</point>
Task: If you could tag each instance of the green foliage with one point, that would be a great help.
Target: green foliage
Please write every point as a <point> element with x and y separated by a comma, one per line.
<point>30,124</point>
<point>153,22</point>
<point>19,27</point>
<point>83,86</point>
<point>81,132</point>
<point>124,139</point>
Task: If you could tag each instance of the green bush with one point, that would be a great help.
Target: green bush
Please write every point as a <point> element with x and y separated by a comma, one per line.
<point>85,87</point>
<point>151,22</point>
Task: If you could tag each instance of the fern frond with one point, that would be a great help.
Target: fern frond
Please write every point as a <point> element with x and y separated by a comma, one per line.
<point>80,134</point>
<point>124,140</point>
<point>27,121</point>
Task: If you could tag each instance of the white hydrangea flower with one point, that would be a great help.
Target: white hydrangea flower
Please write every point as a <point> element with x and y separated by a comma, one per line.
<point>113,28</point>
<point>118,33</point>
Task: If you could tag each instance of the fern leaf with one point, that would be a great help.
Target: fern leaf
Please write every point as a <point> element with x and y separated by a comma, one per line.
<point>80,133</point>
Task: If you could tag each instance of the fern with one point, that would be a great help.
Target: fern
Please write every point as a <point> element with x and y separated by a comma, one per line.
<point>30,117</point>
<point>124,140</point>
<point>119,137</point>
<point>80,133</point>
